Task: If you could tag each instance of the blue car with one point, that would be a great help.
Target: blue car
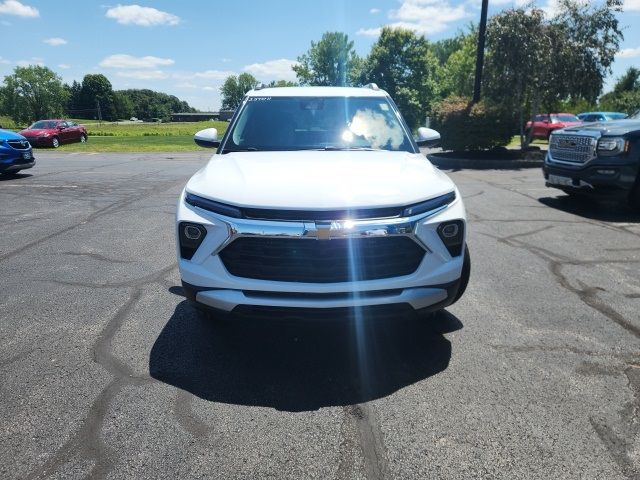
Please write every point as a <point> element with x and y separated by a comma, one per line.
<point>589,117</point>
<point>15,152</point>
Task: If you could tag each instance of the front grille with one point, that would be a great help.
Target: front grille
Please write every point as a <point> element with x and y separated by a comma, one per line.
<point>322,261</point>
<point>19,144</point>
<point>311,215</point>
<point>572,148</point>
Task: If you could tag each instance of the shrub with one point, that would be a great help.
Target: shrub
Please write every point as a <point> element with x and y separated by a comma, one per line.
<point>467,126</point>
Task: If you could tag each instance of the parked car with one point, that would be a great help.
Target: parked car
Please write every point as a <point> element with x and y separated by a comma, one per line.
<point>544,124</point>
<point>15,153</point>
<point>53,133</point>
<point>597,159</point>
<point>318,198</point>
<point>601,116</point>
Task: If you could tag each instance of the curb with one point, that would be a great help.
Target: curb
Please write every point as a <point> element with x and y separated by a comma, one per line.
<point>459,163</point>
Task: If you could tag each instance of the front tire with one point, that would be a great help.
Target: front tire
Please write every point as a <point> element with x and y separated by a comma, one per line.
<point>83,138</point>
<point>55,142</point>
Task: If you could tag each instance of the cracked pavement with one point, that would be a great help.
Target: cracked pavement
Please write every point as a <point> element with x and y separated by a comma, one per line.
<point>106,372</point>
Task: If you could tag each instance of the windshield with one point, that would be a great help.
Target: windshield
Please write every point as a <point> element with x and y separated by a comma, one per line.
<point>43,124</point>
<point>565,118</point>
<point>616,116</point>
<point>309,123</point>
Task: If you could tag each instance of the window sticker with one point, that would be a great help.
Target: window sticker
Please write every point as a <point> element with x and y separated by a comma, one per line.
<point>258,99</point>
<point>384,107</point>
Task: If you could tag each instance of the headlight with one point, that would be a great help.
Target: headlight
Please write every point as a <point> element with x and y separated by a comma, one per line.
<point>212,206</point>
<point>433,204</point>
<point>613,146</point>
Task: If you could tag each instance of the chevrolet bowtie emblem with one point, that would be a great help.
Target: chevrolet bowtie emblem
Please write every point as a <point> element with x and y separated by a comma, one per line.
<point>323,231</point>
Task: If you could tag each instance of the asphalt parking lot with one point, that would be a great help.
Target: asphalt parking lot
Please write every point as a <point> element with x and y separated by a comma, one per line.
<point>106,371</point>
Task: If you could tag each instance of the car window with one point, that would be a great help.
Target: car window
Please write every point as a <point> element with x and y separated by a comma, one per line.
<point>43,124</point>
<point>307,123</point>
<point>565,118</point>
<point>63,124</point>
<point>72,124</point>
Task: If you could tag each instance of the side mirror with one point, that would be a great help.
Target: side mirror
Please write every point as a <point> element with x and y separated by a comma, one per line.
<point>61,127</point>
<point>546,121</point>
<point>207,138</point>
<point>427,137</point>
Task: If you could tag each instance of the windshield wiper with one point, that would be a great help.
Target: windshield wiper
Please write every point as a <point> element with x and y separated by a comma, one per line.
<point>247,149</point>
<point>334,148</point>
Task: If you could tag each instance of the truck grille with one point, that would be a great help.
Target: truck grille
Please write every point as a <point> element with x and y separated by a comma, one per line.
<point>19,144</point>
<point>321,261</point>
<point>572,148</point>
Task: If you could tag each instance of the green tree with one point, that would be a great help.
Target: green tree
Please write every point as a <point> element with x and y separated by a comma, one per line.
<point>148,104</point>
<point>456,76</point>
<point>97,90</point>
<point>33,93</point>
<point>625,96</point>
<point>123,105</point>
<point>330,62</point>
<point>234,89</point>
<point>535,63</point>
<point>281,83</point>
<point>403,64</point>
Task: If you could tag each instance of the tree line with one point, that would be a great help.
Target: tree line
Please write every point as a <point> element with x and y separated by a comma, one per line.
<point>36,92</point>
<point>533,63</point>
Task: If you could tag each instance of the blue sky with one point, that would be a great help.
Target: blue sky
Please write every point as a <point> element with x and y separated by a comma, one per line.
<point>188,47</point>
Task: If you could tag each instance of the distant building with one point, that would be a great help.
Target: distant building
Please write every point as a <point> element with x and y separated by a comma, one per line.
<point>222,115</point>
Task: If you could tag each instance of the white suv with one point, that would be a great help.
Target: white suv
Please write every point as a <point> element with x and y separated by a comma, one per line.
<point>318,199</point>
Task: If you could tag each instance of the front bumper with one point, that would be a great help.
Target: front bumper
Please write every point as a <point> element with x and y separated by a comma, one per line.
<point>433,284</point>
<point>11,162</point>
<point>610,176</point>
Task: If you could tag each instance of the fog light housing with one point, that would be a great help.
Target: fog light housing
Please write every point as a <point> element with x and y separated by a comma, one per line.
<point>452,235</point>
<point>190,236</point>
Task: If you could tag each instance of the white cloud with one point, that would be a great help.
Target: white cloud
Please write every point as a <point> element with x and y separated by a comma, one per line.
<point>272,70</point>
<point>631,6</point>
<point>629,53</point>
<point>369,32</point>
<point>34,61</point>
<point>129,61</point>
<point>55,41</point>
<point>425,17</point>
<point>373,11</point>
<point>210,89</point>
<point>4,61</point>
<point>209,75</point>
<point>142,16</point>
<point>13,7</point>
<point>64,66</point>
<point>144,74</point>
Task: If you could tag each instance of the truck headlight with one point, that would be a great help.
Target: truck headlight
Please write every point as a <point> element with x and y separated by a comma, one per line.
<point>613,146</point>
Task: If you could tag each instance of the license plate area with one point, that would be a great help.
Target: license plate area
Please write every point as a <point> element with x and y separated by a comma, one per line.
<point>560,180</point>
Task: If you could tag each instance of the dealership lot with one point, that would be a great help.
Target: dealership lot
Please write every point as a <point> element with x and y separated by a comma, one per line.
<point>105,369</point>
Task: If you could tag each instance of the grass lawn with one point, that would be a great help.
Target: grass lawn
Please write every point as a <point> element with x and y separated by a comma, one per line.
<point>164,143</point>
<point>515,142</point>
<point>142,137</point>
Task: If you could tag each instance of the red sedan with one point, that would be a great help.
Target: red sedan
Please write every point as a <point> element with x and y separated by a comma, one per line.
<point>546,123</point>
<point>53,133</point>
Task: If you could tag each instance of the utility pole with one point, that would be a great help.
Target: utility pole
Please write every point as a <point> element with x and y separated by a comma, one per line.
<point>99,111</point>
<point>480,55</point>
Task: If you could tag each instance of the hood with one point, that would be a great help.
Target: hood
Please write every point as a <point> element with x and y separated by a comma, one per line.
<point>613,127</point>
<point>9,135</point>
<point>36,132</point>
<point>310,180</point>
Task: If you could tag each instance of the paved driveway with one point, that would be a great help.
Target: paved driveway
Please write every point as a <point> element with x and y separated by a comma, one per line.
<point>106,371</point>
